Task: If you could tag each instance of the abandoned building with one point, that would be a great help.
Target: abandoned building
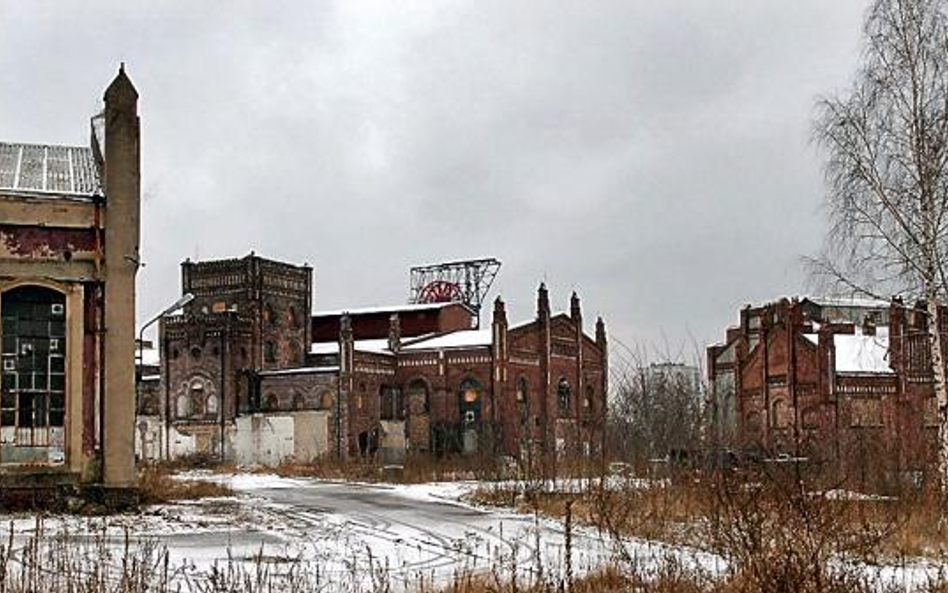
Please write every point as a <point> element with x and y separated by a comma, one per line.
<point>248,374</point>
<point>843,380</point>
<point>69,237</point>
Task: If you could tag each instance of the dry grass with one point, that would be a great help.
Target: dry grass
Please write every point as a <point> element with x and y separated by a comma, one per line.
<point>662,511</point>
<point>158,485</point>
<point>604,581</point>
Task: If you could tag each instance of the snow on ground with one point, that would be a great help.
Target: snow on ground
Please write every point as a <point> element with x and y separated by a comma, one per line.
<point>348,534</point>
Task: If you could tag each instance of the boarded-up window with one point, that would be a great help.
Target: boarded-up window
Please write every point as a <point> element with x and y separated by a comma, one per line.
<point>781,414</point>
<point>866,412</point>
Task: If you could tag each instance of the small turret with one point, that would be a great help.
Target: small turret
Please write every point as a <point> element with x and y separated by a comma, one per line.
<point>500,312</point>
<point>543,301</point>
<point>600,332</point>
<point>394,333</point>
<point>575,309</point>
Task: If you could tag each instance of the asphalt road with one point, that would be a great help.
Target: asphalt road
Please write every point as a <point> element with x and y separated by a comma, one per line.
<point>348,531</point>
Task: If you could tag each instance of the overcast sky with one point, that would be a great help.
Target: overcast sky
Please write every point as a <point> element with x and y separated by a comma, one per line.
<point>653,156</point>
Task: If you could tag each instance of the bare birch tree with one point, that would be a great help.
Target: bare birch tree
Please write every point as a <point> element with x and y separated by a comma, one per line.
<point>887,149</point>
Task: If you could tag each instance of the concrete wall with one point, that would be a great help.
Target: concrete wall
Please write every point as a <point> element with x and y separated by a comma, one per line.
<point>255,439</point>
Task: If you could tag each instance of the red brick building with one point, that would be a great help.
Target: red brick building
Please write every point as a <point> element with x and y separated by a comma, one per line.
<point>371,381</point>
<point>841,380</point>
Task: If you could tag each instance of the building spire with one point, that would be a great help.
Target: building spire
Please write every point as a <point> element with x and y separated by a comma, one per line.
<point>543,301</point>
<point>575,309</point>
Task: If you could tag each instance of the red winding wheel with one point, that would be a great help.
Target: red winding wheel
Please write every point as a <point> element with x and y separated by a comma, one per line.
<point>440,291</point>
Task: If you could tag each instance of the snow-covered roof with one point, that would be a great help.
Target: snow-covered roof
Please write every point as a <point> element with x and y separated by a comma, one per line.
<point>386,309</point>
<point>300,371</point>
<point>859,353</point>
<point>46,169</point>
<point>857,302</point>
<point>375,346</point>
<point>460,339</point>
<point>813,338</point>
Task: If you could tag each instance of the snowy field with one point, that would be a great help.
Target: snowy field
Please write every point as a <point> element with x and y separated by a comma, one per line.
<point>350,534</point>
<point>350,537</point>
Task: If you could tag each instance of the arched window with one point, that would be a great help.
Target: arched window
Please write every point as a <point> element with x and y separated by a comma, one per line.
<point>326,400</point>
<point>296,353</point>
<point>522,389</point>
<point>273,403</point>
<point>183,407</point>
<point>563,396</point>
<point>590,398</point>
<point>270,316</point>
<point>392,405</point>
<point>469,395</point>
<point>269,351</point>
<point>294,318</point>
<point>299,401</point>
<point>418,400</point>
<point>34,369</point>
<point>196,353</point>
<point>210,405</point>
<point>780,414</point>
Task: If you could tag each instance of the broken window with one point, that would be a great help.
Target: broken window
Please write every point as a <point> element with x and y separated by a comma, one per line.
<point>269,352</point>
<point>470,401</point>
<point>563,396</point>
<point>392,404</point>
<point>418,400</point>
<point>33,384</point>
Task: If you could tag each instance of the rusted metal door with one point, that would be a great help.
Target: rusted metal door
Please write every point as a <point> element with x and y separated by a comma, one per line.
<point>33,395</point>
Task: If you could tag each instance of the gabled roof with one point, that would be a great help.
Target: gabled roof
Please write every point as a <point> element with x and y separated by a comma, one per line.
<point>46,169</point>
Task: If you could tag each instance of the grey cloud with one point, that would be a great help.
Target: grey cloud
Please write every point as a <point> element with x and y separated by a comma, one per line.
<point>652,155</point>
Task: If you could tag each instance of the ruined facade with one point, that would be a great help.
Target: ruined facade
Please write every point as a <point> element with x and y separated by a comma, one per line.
<point>829,380</point>
<point>248,374</point>
<point>69,237</point>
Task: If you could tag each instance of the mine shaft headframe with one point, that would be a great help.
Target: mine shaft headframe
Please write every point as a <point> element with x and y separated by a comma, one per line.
<point>466,282</point>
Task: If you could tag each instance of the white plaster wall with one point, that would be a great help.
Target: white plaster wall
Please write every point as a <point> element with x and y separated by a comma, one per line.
<point>263,439</point>
<point>310,435</point>
<point>258,439</point>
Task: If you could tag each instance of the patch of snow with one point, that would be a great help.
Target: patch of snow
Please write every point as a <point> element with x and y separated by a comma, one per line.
<point>374,346</point>
<point>841,494</point>
<point>459,339</point>
<point>858,353</point>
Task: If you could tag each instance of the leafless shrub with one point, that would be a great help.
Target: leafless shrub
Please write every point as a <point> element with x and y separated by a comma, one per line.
<point>157,485</point>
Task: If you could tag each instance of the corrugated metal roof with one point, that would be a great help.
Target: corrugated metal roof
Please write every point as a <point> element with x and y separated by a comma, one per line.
<point>39,168</point>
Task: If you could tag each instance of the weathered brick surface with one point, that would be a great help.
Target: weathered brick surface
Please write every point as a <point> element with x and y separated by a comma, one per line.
<point>790,399</point>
